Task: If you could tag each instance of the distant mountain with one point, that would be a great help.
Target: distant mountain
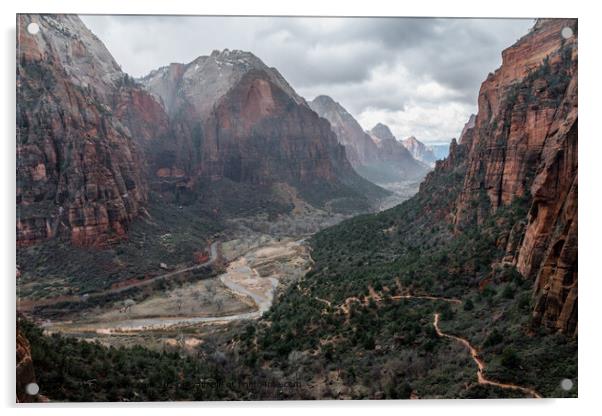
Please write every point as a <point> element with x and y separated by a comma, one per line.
<point>420,151</point>
<point>246,124</point>
<point>379,160</point>
<point>359,147</point>
<point>394,156</point>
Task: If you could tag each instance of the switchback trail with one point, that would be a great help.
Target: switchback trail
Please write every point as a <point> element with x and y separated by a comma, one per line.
<point>481,364</point>
<point>481,378</point>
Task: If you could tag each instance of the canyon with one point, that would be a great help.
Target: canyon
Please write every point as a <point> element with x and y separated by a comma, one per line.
<point>381,159</point>
<point>169,134</point>
<point>209,210</point>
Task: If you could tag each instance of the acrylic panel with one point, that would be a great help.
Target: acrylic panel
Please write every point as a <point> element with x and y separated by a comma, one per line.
<point>295,208</point>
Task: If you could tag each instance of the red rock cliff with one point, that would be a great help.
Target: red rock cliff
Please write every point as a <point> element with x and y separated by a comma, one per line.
<point>25,373</point>
<point>259,134</point>
<point>524,144</point>
<point>80,172</point>
<point>235,118</point>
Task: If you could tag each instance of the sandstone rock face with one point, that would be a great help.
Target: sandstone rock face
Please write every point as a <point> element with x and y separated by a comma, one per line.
<point>359,147</point>
<point>202,82</point>
<point>468,126</point>
<point>419,150</point>
<point>78,171</point>
<point>523,144</point>
<point>259,133</point>
<point>236,118</point>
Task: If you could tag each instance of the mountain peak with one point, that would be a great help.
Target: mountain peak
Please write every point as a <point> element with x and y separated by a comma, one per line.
<point>382,132</point>
<point>207,78</point>
<point>412,139</point>
<point>419,150</point>
<point>235,57</point>
<point>324,103</point>
<point>324,99</point>
<point>67,40</point>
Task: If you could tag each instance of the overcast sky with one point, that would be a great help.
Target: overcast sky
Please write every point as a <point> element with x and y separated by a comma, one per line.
<point>419,76</point>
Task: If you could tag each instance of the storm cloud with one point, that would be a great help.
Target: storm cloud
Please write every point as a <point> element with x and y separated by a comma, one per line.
<point>420,76</point>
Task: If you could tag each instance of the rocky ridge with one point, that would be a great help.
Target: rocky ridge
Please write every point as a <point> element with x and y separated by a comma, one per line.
<point>359,147</point>
<point>372,158</point>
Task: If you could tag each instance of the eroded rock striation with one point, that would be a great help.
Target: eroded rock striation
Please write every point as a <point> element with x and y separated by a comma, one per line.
<point>245,123</point>
<point>78,168</point>
<point>522,144</point>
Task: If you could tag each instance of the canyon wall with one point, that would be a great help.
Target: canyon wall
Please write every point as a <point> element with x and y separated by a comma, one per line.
<point>78,170</point>
<point>523,145</point>
<point>92,142</point>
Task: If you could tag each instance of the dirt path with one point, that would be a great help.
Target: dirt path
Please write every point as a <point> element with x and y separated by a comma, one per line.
<point>449,300</point>
<point>481,378</point>
<point>373,295</point>
<point>27,305</point>
<point>241,279</point>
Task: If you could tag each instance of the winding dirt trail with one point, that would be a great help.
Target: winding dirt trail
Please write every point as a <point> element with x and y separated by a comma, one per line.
<point>242,279</point>
<point>481,364</point>
<point>449,300</point>
<point>481,378</point>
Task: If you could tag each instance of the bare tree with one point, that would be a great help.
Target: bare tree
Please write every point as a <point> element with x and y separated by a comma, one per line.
<point>179,301</point>
<point>127,305</point>
<point>219,303</point>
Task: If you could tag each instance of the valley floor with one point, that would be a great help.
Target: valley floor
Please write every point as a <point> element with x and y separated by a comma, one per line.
<point>261,257</point>
<point>256,268</point>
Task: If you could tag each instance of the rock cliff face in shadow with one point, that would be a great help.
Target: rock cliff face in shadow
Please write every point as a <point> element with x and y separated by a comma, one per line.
<point>245,123</point>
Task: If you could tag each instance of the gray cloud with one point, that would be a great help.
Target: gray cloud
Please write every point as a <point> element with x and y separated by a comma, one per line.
<point>419,75</point>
